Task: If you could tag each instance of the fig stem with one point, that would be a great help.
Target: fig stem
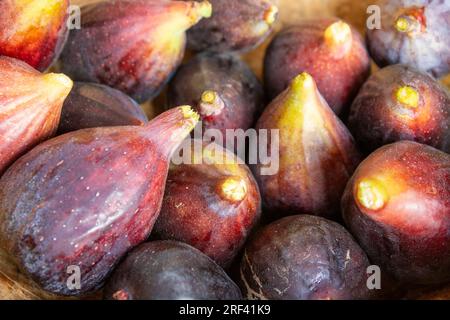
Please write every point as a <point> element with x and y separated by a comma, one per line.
<point>203,9</point>
<point>58,79</point>
<point>211,104</point>
<point>371,194</point>
<point>338,35</point>
<point>233,189</point>
<point>408,96</point>
<point>270,16</point>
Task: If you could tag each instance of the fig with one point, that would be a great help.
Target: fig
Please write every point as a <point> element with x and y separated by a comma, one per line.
<point>317,154</point>
<point>91,105</point>
<point>79,202</point>
<point>212,202</point>
<point>30,107</point>
<point>33,31</point>
<point>131,45</point>
<point>226,92</point>
<point>401,103</point>
<point>304,257</point>
<point>413,32</point>
<point>169,270</point>
<point>235,25</point>
<point>397,205</point>
<point>332,51</point>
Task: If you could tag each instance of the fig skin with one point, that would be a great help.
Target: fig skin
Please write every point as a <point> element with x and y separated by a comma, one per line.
<point>30,107</point>
<point>414,33</point>
<point>33,31</point>
<point>239,94</point>
<point>304,257</point>
<point>401,103</point>
<point>91,105</point>
<point>211,203</point>
<point>131,45</point>
<point>235,25</point>
<point>332,51</point>
<point>317,154</point>
<point>397,206</point>
<point>169,270</point>
<point>85,198</point>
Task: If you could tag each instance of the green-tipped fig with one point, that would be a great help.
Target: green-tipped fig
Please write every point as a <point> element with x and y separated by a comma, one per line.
<point>317,154</point>
<point>33,31</point>
<point>133,46</point>
<point>30,107</point>
<point>236,25</point>
<point>84,199</point>
<point>91,105</point>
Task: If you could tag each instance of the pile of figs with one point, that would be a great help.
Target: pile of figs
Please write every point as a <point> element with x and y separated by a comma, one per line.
<point>341,189</point>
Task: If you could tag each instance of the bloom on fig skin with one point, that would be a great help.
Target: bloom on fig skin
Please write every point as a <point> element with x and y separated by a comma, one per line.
<point>397,205</point>
<point>414,33</point>
<point>30,107</point>
<point>33,31</point>
<point>317,153</point>
<point>332,51</point>
<point>401,103</point>
<point>131,45</point>
<point>235,25</point>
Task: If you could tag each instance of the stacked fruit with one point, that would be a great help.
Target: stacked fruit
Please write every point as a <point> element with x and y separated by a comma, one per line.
<point>89,198</point>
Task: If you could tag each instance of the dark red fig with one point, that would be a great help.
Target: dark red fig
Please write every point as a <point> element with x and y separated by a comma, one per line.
<point>236,25</point>
<point>304,258</point>
<point>415,33</point>
<point>331,51</point>
<point>131,45</point>
<point>91,105</point>
<point>33,31</point>
<point>169,270</point>
<point>212,202</point>
<point>401,103</point>
<point>30,107</point>
<point>316,155</point>
<point>397,205</point>
<point>226,92</point>
<point>83,199</point>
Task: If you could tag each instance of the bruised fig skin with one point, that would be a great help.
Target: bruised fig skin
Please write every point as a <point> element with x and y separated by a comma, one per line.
<point>131,45</point>
<point>226,93</point>
<point>235,25</point>
<point>317,154</point>
<point>33,31</point>
<point>414,33</point>
<point>304,257</point>
<point>169,270</point>
<point>30,107</point>
<point>85,198</point>
<point>397,205</point>
<point>401,103</point>
<point>332,51</point>
<point>91,105</point>
<point>211,203</point>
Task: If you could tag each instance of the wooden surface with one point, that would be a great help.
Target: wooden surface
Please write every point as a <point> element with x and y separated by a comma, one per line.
<point>14,285</point>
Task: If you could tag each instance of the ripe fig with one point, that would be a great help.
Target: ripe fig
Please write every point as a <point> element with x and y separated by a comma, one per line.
<point>304,258</point>
<point>83,199</point>
<point>91,105</point>
<point>235,25</point>
<point>332,51</point>
<point>413,32</point>
<point>169,270</point>
<point>226,92</point>
<point>397,205</point>
<point>317,154</point>
<point>212,202</point>
<point>131,45</point>
<point>33,31</point>
<point>30,107</point>
<point>401,103</point>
